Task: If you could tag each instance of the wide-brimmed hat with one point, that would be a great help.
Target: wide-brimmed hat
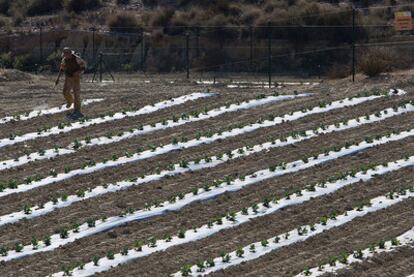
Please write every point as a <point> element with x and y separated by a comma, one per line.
<point>67,50</point>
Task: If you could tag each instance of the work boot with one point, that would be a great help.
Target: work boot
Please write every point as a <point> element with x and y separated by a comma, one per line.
<point>76,115</point>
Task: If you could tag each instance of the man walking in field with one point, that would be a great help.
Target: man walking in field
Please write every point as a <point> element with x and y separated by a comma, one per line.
<point>73,66</point>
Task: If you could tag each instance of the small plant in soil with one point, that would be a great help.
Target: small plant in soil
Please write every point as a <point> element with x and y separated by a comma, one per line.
<point>90,222</point>
<point>185,270</point>
<point>124,251</point>
<point>343,259</point>
<point>47,241</point>
<point>63,233</point>
<point>18,247</point>
<point>358,254</point>
<point>395,242</point>
<point>12,184</point>
<point>225,257</point>
<point>167,237</point>
<point>3,251</point>
<point>138,245</point>
<point>35,243</point>
<point>231,216</point>
<point>264,243</point>
<point>324,220</point>
<point>240,252</point>
<point>110,255</point>
<point>332,260</point>
<point>200,266</point>
<point>95,260</point>
<point>67,270</point>
<point>210,262</point>
<point>27,209</point>
<point>152,242</point>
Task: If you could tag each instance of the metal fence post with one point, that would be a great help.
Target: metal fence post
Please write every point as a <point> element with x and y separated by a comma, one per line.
<point>100,66</point>
<point>251,46</point>
<point>142,50</point>
<point>353,44</point>
<point>93,44</point>
<point>187,54</point>
<point>197,41</point>
<point>269,67</point>
<point>41,45</point>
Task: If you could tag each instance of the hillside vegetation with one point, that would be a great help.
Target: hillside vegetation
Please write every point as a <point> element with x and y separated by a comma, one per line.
<point>299,25</point>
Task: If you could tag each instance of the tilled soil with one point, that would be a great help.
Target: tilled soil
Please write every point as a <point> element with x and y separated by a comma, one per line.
<point>114,127</point>
<point>172,222</point>
<point>40,195</point>
<point>288,259</point>
<point>136,197</point>
<point>165,136</point>
<point>358,234</point>
<point>115,203</point>
<point>398,263</point>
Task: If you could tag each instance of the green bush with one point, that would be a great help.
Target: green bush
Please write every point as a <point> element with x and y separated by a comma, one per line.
<point>6,60</point>
<point>22,62</point>
<point>36,7</point>
<point>4,6</point>
<point>376,61</point>
<point>127,67</point>
<point>80,5</point>
<point>124,24</point>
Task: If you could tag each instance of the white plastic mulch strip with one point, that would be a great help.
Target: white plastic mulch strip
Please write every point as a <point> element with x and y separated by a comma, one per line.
<point>192,143</point>
<point>255,83</point>
<point>406,239</point>
<point>272,244</point>
<point>277,242</point>
<point>149,128</point>
<point>50,111</point>
<point>203,164</point>
<point>117,116</point>
<point>150,153</point>
<point>47,154</point>
<point>238,184</point>
<point>210,114</point>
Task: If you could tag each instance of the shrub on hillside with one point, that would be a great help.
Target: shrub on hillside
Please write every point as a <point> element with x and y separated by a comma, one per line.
<point>124,23</point>
<point>36,7</point>
<point>376,61</point>
<point>4,6</point>
<point>161,17</point>
<point>22,62</point>
<point>80,5</point>
<point>6,60</point>
<point>339,71</point>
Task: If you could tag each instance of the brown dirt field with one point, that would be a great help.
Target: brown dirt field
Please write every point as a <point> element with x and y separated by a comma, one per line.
<point>163,136</point>
<point>398,263</point>
<point>150,192</point>
<point>64,139</point>
<point>126,171</point>
<point>171,223</point>
<point>358,234</point>
<point>170,261</point>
